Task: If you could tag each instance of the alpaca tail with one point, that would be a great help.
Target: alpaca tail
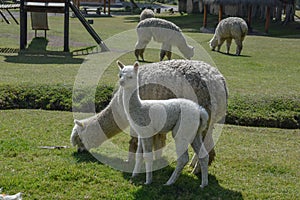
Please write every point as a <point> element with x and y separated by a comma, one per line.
<point>203,120</point>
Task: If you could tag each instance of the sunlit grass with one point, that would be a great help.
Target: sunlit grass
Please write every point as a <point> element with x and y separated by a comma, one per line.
<point>251,163</point>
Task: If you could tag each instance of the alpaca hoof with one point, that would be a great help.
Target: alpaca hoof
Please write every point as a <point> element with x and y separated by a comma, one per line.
<point>82,150</point>
<point>134,175</point>
<point>168,183</point>
<point>147,182</point>
<point>203,185</point>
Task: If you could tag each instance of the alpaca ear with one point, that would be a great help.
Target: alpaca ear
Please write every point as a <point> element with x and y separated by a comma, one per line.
<point>78,123</point>
<point>121,65</point>
<point>136,66</point>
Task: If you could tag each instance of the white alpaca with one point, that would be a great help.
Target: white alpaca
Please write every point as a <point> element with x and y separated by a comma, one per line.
<point>164,32</point>
<point>147,13</point>
<point>185,118</point>
<point>230,28</point>
<point>207,82</point>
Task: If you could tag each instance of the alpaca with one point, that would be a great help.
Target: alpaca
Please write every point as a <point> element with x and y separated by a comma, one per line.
<point>164,32</point>
<point>185,118</point>
<point>230,28</point>
<point>207,82</point>
<point>147,13</point>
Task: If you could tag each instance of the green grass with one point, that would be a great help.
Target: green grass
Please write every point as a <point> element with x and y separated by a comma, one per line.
<point>268,68</point>
<point>251,163</point>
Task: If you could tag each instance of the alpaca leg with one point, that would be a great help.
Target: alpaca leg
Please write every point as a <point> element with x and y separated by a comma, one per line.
<point>239,46</point>
<point>148,157</point>
<point>138,159</point>
<point>140,47</point>
<point>142,54</point>
<point>159,141</point>
<point>228,43</point>
<point>162,54</point>
<point>200,150</point>
<point>133,144</point>
<point>182,160</point>
<point>182,157</point>
<point>169,55</point>
<point>166,49</point>
<point>220,43</point>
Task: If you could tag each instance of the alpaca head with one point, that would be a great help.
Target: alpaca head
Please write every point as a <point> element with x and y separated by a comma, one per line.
<point>75,139</point>
<point>190,52</point>
<point>87,134</point>
<point>213,43</point>
<point>128,75</point>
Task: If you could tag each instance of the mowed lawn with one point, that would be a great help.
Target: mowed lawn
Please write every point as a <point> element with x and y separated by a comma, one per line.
<point>269,65</point>
<point>251,163</point>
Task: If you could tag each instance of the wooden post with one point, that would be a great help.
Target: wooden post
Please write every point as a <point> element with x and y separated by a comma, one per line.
<point>108,7</point>
<point>66,27</point>
<point>23,26</point>
<point>104,6</point>
<point>267,19</point>
<point>220,12</point>
<point>204,15</point>
<point>249,16</point>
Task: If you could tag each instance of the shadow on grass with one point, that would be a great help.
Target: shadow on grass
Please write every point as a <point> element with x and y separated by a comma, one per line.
<point>233,55</point>
<point>186,187</point>
<point>37,53</point>
<point>85,156</point>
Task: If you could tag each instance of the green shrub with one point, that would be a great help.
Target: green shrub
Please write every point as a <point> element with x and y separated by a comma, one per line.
<point>277,112</point>
<point>245,110</point>
<point>52,97</point>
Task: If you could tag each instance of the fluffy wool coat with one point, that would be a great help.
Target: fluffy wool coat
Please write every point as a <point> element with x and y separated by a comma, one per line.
<point>162,31</point>
<point>230,28</point>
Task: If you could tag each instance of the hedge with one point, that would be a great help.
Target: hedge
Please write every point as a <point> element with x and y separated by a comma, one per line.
<point>279,112</point>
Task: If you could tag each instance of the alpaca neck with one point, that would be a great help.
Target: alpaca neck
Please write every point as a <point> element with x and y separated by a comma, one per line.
<point>112,119</point>
<point>131,99</point>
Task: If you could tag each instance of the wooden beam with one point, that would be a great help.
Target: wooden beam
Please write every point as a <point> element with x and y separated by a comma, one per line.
<point>220,12</point>
<point>249,16</point>
<point>66,27</point>
<point>104,6</point>
<point>204,15</point>
<point>108,7</point>
<point>267,24</point>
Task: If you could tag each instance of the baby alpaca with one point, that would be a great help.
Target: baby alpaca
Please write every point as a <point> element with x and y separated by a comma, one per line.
<point>185,118</point>
<point>230,28</point>
<point>164,32</point>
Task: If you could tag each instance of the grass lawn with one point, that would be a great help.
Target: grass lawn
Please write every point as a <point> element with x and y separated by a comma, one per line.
<point>267,63</point>
<point>251,163</point>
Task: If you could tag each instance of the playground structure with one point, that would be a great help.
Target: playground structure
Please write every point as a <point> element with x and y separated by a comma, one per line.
<point>54,6</point>
<point>95,6</point>
<point>8,7</point>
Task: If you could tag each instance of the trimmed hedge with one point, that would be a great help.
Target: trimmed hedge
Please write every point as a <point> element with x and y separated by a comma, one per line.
<point>53,97</point>
<point>247,110</point>
<point>279,112</point>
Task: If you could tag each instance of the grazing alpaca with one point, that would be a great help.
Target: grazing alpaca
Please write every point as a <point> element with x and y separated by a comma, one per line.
<point>164,32</point>
<point>185,118</point>
<point>208,85</point>
<point>147,13</point>
<point>230,28</point>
